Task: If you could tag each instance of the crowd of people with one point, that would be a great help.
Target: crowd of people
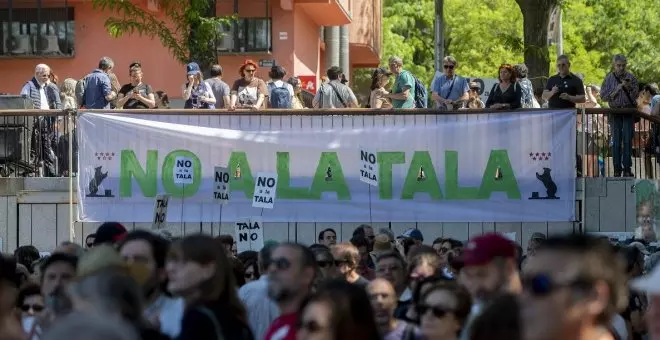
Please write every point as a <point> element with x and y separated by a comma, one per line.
<point>145,284</point>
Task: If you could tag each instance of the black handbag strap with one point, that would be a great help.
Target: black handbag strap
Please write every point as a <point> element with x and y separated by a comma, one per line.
<point>337,93</point>
<point>451,87</point>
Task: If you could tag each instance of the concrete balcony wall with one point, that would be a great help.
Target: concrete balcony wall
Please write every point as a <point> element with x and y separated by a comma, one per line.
<point>366,33</point>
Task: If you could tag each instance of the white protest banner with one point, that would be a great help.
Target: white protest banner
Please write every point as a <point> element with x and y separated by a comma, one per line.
<point>221,184</point>
<point>183,170</point>
<point>265,187</point>
<point>249,234</point>
<point>368,167</point>
<point>160,211</point>
<point>431,168</point>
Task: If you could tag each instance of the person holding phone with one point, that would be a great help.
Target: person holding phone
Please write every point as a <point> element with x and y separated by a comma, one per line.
<point>197,93</point>
<point>136,94</point>
<point>620,90</point>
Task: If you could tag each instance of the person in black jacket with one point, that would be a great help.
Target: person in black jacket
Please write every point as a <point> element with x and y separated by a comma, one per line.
<point>200,272</point>
<point>507,93</point>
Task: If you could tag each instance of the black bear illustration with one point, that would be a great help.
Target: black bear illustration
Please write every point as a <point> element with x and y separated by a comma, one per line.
<point>99,176</point>
<point>550,186</point>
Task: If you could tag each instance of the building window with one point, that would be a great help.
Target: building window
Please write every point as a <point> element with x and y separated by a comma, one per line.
<point>37,32</point>
<point>246,35</point>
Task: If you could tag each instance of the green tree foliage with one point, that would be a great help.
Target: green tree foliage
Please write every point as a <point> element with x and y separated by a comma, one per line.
<point>483,34</point>
<point>188,29</point>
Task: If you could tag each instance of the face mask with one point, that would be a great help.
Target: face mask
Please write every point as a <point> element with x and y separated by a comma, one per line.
<point>28,323</point>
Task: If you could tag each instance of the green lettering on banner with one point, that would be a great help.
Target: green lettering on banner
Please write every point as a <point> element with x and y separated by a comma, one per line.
<point>179,190</point>
<point>413,184</point>
<point>245,182</point>
<point>130,168</point>
<point>324,183</point>
<point>506,183</point>
<point>452,190</point>
<point>385,162</point>
<point>284,188</point>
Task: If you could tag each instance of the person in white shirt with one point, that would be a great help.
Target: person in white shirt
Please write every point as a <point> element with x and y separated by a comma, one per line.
<point>149,250</point>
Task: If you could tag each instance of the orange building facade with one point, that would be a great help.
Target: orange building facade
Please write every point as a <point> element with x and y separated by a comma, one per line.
<point>69,36</point>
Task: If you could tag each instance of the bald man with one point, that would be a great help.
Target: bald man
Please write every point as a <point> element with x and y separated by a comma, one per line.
<point>384,300</point>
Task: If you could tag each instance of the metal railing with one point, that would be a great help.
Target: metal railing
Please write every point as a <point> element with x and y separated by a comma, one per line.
<point>35,143</point>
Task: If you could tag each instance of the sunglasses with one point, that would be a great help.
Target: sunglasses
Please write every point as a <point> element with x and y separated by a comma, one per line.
<point>324,264</point>
<point>475,89</point>
<point>36,308</point>
<point>281,263</point>
<point>444,250</point>
<point>450,67</point>
<point>542,285</point>
<point>438,312</point>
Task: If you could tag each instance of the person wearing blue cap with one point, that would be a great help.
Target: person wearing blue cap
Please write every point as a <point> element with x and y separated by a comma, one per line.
<point>196,92</point>
<point>413,234</point>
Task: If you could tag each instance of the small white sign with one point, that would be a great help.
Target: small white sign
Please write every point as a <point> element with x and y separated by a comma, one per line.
<point>249,234</point>
<point>368,167</point>
<point>183,170</point>
<point>221,184</point>
<point>265,186</point>
<point>160,211</point>
<point>284,35</point>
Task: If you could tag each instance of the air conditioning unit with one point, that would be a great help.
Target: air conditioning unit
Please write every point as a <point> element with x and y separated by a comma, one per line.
<point>226,40</point>
<point>18,44</point>
<point>47,44</point>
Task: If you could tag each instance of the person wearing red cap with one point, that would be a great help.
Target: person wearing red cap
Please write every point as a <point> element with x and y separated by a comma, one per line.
<point>109,233</point>
<point>490,269</point>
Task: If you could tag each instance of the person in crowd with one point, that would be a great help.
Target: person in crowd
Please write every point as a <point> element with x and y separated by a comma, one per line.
<point>507,93</point>
<point>249,260</point>
<point>619,90</point>
<point>642,139</point>
<point>162,100</point>
<point>53,79</point>
<point>362,246</point>
<point>403,245</point>
<point>338,310</point>
<point>197,93</point>
<point>68,94</point>
<point>136,94</point>
<point>366,231</point>
<point>280,93</point>
<point>564,90</point>
<point>449,90</point>
<point>109,233</point>
<point>650,286</point>
<point>228,244</point>
<point>383,301</point>
<point>149,250</point>
<point>115,85</point>
<point>382,245</point>
<point>85,326</point>
<point>347,258</point>
<point>474,101</point>
<point>291,276</point>
<point>527,99</point>
<point>421,266</point>
<point>490,268</point>
<point>392,267</point>
<point>325,262</point>
<point>261,309</point>
<point>444,247</point>
<point>248,92</point>
<point>334,94</point>
<point>199,271</point>
<point>377,97</point>
<point>328,237</point>
<point>595,129</point>
<point>571,289</point>
<point>37,90</point>
<point>634,254</point>
<point>499,321</point>
<point>403,90</point>
<point>89,241</point>
<point>443,311</point>
<point>30,302</point>
<point>387,232</point>
<point>533,245</point>
<point>98,90</point>
<point>26,255</point>
<point>298,103</point>
<point>113,293</point>
<point>71,248</point>
<point>220,89</point>
<point>10,326</point>
<point>414,234</point>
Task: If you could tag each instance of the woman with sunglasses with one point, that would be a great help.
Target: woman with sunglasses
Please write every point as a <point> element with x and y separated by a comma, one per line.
<point>248,92</point>
<point>337,311</point>
<point>443,310</point>
<point>250,268</point>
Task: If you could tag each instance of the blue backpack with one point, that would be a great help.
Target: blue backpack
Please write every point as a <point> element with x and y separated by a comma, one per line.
<point>280,97</point>
<point>421,96</point>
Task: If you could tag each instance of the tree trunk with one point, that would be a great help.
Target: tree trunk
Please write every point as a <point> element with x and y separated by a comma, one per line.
<point>536,17</point>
